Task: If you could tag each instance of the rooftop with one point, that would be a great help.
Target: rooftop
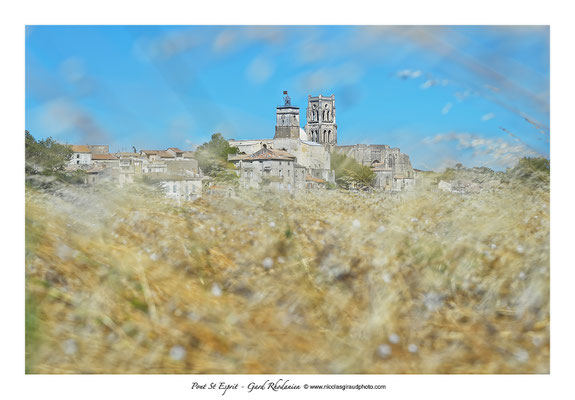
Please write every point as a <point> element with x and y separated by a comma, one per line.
<point>270,154</point>
<point>80,148</point>
<point>314,179</point>
<point>104,157</point>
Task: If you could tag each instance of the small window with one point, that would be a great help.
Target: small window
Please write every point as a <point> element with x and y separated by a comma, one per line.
<point>77,155</point>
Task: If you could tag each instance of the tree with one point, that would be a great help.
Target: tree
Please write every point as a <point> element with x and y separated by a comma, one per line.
<point>532,169</point>
<point>212,156</point>
<point>349,173</point>
<point>45,156</point>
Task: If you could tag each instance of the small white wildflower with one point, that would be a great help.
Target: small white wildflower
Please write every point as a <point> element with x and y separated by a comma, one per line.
<point>394,338</point>
<point>356,223</point>
<point>177,353</point>
<point>212,229</point>
<point>154,257</point>
<point>520,249</point>
<point>412,348</point>
<point>522,275</point>
<point>216,291</point>
<point>414,219</point>
<point>522,355</point>
<point>268,262</point>
<point>281,260</point>
<point>384,350</point>
<point>493,246</point>
<point>70,347</point>
<point>272,224</point>
<point>433,301</point>
<point>386,277</point>
<point>381,229</point>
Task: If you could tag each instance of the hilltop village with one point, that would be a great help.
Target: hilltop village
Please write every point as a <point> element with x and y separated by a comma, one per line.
<point>295,159</point>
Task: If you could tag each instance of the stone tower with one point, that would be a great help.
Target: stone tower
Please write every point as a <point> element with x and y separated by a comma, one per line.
<point>321,126</point>
<point>287,120</point>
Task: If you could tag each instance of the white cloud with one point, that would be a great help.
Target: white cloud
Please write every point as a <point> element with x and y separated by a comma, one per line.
<point>487,117</point>
<point>446,108</point>
<point>497,152</point>
<point>259,70</point>
<point>409,74</point>
<point>428,83</point>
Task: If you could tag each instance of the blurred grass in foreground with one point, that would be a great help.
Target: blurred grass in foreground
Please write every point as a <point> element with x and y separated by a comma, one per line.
<point>125,281</point>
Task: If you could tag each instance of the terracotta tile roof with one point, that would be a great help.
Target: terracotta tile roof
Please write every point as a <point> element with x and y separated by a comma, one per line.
<point>270,154</point>
<point>126,154</point>
<point>151,152</point>
<point>175,149</point>
<point>104,157</point>
<point>314,179</point>
<point>80,148</point>
<point>165,154</point>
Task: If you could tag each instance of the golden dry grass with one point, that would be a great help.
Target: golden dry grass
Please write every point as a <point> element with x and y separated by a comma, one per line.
<point>125,281</point>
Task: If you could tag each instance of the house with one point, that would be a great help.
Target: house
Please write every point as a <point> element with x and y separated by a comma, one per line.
<point>267,168</point>
<point>106,160</point>
<point>312,182</point>
<point>81,156</point>
<point>184,188</point>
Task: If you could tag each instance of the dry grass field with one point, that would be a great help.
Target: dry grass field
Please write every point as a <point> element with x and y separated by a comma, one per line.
<point>323,282</point>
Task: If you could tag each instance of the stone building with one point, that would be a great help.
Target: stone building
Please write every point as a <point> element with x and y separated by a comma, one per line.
<point>81,156</point>
<point>392,168</point>
<point>289,137</point>
<point>276,169</point>
<point>321,126</point>
<point>182,187</point>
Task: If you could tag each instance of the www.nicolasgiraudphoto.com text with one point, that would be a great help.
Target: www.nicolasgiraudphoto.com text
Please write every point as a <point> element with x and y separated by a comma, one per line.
<point>278,385</point>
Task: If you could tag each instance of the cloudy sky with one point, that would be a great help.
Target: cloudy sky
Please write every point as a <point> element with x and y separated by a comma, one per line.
<point>475,95</point>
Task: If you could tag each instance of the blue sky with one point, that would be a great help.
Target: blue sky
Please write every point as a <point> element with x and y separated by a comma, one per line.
<point>470,94</point>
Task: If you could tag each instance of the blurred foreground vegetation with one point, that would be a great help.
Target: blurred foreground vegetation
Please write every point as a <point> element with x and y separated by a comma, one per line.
<point>126,281</point>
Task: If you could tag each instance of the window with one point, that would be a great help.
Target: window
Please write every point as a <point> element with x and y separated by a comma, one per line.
<point>77,155</point>
<point>174,189</point>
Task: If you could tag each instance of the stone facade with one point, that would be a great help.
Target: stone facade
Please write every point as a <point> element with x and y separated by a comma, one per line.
<point>276,169</point>
<point>321,126</point>
<point>182,187</point>
<point>392,168</point>
<point>287,120</point>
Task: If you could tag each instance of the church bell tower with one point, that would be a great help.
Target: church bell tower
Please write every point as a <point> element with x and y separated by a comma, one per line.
<point>287,120</point>
<point>321,126</point>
